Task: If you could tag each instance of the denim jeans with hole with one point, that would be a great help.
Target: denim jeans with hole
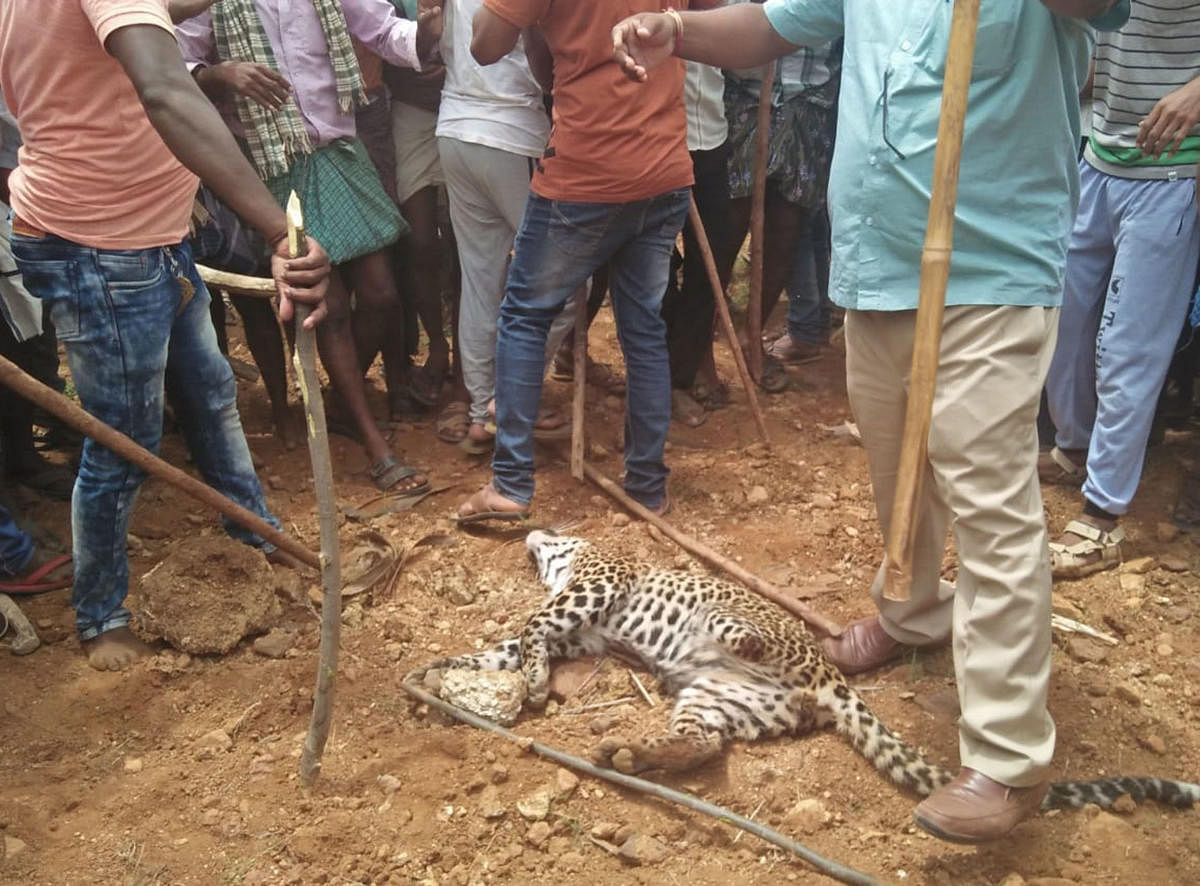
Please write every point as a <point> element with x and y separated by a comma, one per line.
<point>128,334</point>
<point>559,245</point>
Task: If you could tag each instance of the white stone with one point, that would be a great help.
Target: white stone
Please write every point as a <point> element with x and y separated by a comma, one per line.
<point>493,695</point>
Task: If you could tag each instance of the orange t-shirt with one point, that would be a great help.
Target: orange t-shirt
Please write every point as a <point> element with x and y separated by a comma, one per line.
<point>92,169</point>
<point>613,141</point>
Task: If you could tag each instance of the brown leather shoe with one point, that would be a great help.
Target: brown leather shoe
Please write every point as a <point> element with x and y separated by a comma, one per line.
<point>974,809</point>
<point>863,645</point>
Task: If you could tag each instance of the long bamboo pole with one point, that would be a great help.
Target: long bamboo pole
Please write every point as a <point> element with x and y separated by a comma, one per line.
<point>56,404</point>
<point>935,274</point>
<point>816,619</point>
<point>739,359</point>
<point>758,200</point>
<point>305,361</point>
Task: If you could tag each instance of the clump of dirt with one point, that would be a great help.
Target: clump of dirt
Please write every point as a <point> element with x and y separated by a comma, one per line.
<point>206,595</point>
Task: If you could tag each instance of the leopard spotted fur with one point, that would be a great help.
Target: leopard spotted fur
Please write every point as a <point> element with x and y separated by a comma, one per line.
<point>739,666</point>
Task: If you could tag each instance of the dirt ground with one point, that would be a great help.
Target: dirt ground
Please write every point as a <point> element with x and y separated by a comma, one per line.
<point>185,769</point>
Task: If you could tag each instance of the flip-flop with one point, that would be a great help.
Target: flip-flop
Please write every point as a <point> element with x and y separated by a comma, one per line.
<point>477,447</point>
<point>453,422</point>
<point>37,582</point>
<point>388,471</point>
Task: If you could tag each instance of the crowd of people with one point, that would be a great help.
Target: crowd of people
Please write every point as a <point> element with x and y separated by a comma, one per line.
<point>518,160</point>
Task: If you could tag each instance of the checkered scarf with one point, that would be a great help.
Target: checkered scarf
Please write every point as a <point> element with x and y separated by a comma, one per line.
<point>275,137</point>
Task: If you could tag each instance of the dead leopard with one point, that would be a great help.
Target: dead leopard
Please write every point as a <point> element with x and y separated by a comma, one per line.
<point>739,666</point>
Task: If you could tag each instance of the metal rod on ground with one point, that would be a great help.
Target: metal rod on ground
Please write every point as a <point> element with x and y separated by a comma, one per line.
<point>935,273</point>
<point>830,868</point>
<point>238,284</point>
<point>305,362</point>
<point>579,391</point>
<point>739,359</point>
<point>758,200</point>
<point>56,404</point>
<point>816,619</point>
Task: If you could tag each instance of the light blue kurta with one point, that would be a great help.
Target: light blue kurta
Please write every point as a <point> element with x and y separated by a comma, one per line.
<point>1019,184</point>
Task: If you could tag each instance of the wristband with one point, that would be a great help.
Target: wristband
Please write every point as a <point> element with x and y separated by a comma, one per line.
<point>678,19</point>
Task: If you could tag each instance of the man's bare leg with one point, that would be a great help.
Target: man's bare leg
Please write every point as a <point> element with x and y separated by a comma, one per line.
<point>340,358</point>
<point>422,250</point>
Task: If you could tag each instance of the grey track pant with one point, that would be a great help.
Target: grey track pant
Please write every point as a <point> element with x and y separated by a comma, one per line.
<point>487,188</point>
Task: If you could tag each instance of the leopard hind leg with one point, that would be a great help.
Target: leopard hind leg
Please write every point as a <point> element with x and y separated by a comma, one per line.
<point>696,735</point>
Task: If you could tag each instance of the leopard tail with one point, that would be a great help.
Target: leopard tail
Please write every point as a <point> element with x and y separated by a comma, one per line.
<point>891,755</point>
<point>1104,792</point>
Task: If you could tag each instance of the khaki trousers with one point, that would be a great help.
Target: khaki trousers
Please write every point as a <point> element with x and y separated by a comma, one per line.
<point>981,481</point>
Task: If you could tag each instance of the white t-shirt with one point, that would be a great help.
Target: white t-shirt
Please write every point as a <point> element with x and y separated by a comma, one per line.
<point>500,105</point>
<point>704,99</point>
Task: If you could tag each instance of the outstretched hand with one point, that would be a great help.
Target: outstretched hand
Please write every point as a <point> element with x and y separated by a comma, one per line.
<point>304,279</point>
<point>642,43</point>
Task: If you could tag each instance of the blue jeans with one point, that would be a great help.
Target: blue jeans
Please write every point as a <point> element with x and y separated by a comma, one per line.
<point>16,547</point>
<point>127,333</point>
<point>558,247</point>
<point>808,290</point>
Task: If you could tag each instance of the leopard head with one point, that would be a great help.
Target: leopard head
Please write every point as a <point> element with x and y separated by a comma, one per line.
<point>553,556</point>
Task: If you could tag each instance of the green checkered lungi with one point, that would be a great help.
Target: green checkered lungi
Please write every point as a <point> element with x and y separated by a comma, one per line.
<point>345,207</point>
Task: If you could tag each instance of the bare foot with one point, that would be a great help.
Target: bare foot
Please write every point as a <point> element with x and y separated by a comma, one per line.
<point>488,501</point>
<point>115,650</point>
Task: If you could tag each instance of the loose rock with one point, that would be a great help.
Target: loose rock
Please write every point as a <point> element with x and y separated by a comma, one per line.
<point>389,784</point>
<point>808,816</point>
<point>217,740</point>
<point>1128,693</point>
<point>1137,566</point>
<point>619,519</point>
<point>1013,879</point>
<point>1084,649</point>
<point>565,782</point>
<point>275,644</point>
<point>535,806</point>
<point>1153,743</point>
<point>490,806</point>
<point>641,849</point>
<point>604,830</point>
<point>758,495</point>
<point>12,847</point>
<point>1124,804</point>
<point>538,834</point>
<point>493,695</point>
<point>133,765</point>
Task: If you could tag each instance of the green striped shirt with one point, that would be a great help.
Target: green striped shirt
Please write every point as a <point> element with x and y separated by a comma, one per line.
<point>1154,54</point>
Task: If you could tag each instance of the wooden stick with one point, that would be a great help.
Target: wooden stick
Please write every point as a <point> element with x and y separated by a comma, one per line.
<point>305,361</point>
<point>56,404</point>
<point>238,284</point>
<point>821,622</point>
<point>739,359</point>
<point>640,688</point>
<point>579,391</point>
<point>758,200</point>
<point>935,273</point>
